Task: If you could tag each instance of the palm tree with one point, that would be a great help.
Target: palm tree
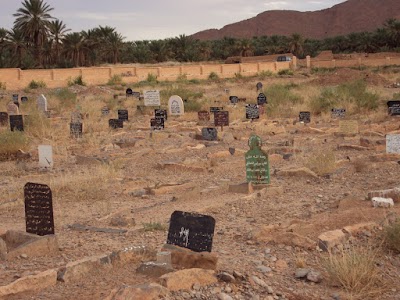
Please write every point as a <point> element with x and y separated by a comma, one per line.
<point>16,43</point>
<point>296,44</point>
<point>74,48</point>
<point>32,19</point>
<point>393,27</point>
<point>161,50</point>
<point>57,32</point>
<point>114,45</point>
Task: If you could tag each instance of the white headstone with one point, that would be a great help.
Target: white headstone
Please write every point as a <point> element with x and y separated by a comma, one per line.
<point>393,143</point>
<point>42,103</point>
<point>175,106</point>
<point>152,98</point>
<point>45,156</point>
<point>12,109</point>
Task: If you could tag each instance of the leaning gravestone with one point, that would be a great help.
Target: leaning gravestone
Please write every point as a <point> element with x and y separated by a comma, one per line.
<point>394,107</point>
<point>12,109</point>
<point>42,103</point>
<point>115,123</point>
<point>16,123</point>
<point>161,114</point>
<point>192,231</point>
<point>203,115</point>
<point>261,99</point>
<point>175,106</point>
<point>338,112</point>
<point>209,134</point>
<point>105,111</point>
<point>3,118</point>
<point>152,98</point>
<point>305,117</point>
<point>157,124</point>
<point>252,111</point>
<point>123,115</point>
<point>234,99</point>
<point>38,209</point>
<point>221,118</point>
<point>129,92</point>
<point>45,156</point>
<point>259,86</point>
<point>24,99</point>
<point>257,164</point>
<point>393,143</point>
<point>76,130</point>
<point>349,127</point>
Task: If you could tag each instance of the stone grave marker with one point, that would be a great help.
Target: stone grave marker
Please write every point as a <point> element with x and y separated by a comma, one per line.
<point>192,231</point>
<point>221,118</point>
<point>105,111</point>
<point>216,109</point>
<point>42,103</point>
<point>394,107</point>
<point>76,117</point>
<point>24,99</point>
<point>393,143</point>
<point>12,109</point>
<point>38,209</point>
<point>348,127</point>
<point>157,124</point>
<point>76,130</point>
<point>15,99</point>
<point>234,99</point>
<point>3,118</point>
<point>203,115</point>
<point>129,92</point>
<point>152,98</point>
<point>261,99</point>
<point>338,112</point>
<point>252,111</point>
<point>45,156</point>
<point>232,151</point>
<point>209,134</point>
<point>259,86</point>
<point>305,117</point>
<point>123,115</point>
<point>161,114</point>
<point>16,123</point>
<point>175,106</point>
<point>136,94</point>
<point>115,123</point>
<point>257,164</point>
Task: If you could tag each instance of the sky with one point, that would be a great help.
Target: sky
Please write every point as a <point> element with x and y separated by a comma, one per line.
<point>158,19</point>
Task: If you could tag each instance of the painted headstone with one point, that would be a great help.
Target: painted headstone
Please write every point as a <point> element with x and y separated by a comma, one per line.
<point>76,130</point>
<point>203,115</point>
<point>123,115</point>
<point>252,111</point>
<point>261,99</point>
<point>152,98</point>
<point>257,164</point>
<point>3,118</point>
<point>348,127</point>
<point>16,123</point>
<point>394,107</point>
<point>76,117</point>
<point>42,103</point>
<point>157,124</point>
<point>209,134</point>
<point>12,109</point>
<point>45,156</point>
<point>305,117</point>
<point>192,231</point>
<point>115,123</point>
<point>175,106</point>
<point>38,209</point>
<point>393,143</point>
<point>128,92</point>
<point>15,99</point>
<point>221,118</point>
<point>161,114</point>
<point>105,111</point>
<point>234,99</point>
<point>24,99</point>
<point>338,112</point>
<point>259,86</point>
<point>215,109</point>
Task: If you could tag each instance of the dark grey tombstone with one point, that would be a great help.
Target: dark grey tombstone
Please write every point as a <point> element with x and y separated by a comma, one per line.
<point>305,117</point>
<point>76,130</point>
<point>129,92</point>
<point>123,115</point>
<point>15,98</point>
<point>192,231</point>
<point>259,86</point>
<point>203,115</point>
<point>232,151</point>
<point>24,99</point>
<point>161,114</point>
<point>209,134</point>
<point>157,124</point>
<point>115,123</point>
<point>136,95</point>
<point>3,118</point>
<point>16,123</point>
<point>252,111</point>
<point>215,109</point>
<point>221,118</point>
<point>234,99</point>
<point>394,107</point>
<point>38,209</point>
<point>338,112</point>
<point>261,99</point>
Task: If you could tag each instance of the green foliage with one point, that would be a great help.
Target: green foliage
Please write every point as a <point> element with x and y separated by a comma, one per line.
<point>2,86</point>
<point>265,74</point>
<point>193,106</point>
<point>184,93</point>
<point>285,72</point>
<point>151,78</point>
<point>12,141</point>
<point>36,84</point>
<point>213,76</point>
<point>324,102</point>
<point>66,97</point>
<point>281,98</point>
<point>323,70</point>
<point>153,226</point>
<point>115,80</point>
<point>76,81</point>
<point>182,78</point>
<point>392,236</point>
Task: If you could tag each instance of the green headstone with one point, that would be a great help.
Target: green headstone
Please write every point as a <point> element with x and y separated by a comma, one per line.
<point>257,165</point>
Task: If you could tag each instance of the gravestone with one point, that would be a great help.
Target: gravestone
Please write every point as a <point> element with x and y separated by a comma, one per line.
<point>115,123</point>
<point>252,111</point>
<point>123,115</point>
<point>338,112</point>
<point>128,92</point>
<point>257,164</point>
<point>305,117</point>
<point>209,134</point>
<point>215,109</point>
<point>394,107</point>
<point>157,124</point>
<point>38,209</point>
<point>16,123</point>
<point>76,130</point>
<point>192,231</point>
<point>348,127</point>
<point>234,99</point>
<point>15,99</point>
<point>232,151</point>
<point>161,114</point>
<point>3,118</point>
<point>261,99</point>
<point>175,106</point>
<point>203,115</point>
<point>76,117</point>
<point>259,86</point>
<point>152,98</point>
<point>12,109</point>
<point>393,143</point>
<point>45,156</point>
<point>105,111</point>
<point>24,99</point>
<point>136,95</point>
<point>42,103</point>
<point>221,118</point>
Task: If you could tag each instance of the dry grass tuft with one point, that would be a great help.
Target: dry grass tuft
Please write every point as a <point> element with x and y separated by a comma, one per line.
<point>392,236</point>
<point>322,163</point>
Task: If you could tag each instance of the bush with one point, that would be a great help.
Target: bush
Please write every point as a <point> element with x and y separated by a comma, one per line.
<point>76,81</point>
<point>66,97</point>
<point>322,163</point>
<point>153,226</point>
<point>322,70</point>
<point>151,78</point>
<point>182,92</point>
<point>115,80</point>
<point>193,106</point>
<point>324,102</point>
<point>2,86</point>
<point>392,236</point>
<point>213,76</point>
<point>36,84</point>
<point>281,98</point>
<point>265,74</point>
<point>285,72</point>
<point>12,141</point>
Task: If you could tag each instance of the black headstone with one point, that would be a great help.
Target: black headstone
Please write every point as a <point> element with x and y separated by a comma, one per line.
<point>305,117</point>
<point>394,107</point>
<point>129,92</point>
<point>3,118</point>
<point>232,151</point>
<point>123,114</point>
<point>221,118</point>
<point>191,231</point>
<point>38,209</point>
<point>234,99</point>
<point>261,99</point>
<point>252,111</point>
<point>136,95</point>
<point>161,114</point>
<point>338,112</point>
<point>203,115</point>
<point>15,98</point>
<point>209,134</point>
<point>259,86</point>
<point>215,109</point>
<point>157,124</point>
<point>24,99</point>
<point>76,130</point>
<point>115,123</point>
<point>16,123</point>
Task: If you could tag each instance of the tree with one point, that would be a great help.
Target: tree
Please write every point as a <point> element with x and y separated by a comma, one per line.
<point>74,48</point>
<point>393,27</point>
<point>32,19</point>
<point>57,32</point>
<point>161,50</point>
<point>15,42</point>
<point>296,44</point>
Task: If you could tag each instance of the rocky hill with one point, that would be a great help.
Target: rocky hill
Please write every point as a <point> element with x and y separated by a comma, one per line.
<point>344,18</point>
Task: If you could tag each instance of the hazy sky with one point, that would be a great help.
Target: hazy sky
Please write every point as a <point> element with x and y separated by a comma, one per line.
<point>158,19</point>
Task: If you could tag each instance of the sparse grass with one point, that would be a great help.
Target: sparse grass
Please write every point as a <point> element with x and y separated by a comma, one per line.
<point>67,99</point>
<point>182,78</point>
<point>12,141</point>
<point>213,76</point>
<point>3,86</point>
<point>76,81</point>
<point>396,96</point>
<point>265,74</point>
<point>184,93</point>
<point>36,84</point>
<point>355,270</point>
<point>153,226</point>
<point>115,80</point>
<point>281,99</point>
<point>322,162</point>
<point>285,72</point>
<point>323,70</point>
<point>360,165</point>
<point>151,78</point>
<point>392,236</point>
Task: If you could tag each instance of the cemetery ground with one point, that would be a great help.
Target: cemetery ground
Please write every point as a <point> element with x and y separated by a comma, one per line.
<point>114,191</point>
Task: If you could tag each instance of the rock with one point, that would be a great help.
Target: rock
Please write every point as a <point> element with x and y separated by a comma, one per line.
<point>354,229</point>
<point>24,256</point>
<point>175,166</point>
<point>330,239</point>
<point>137,193</point>
<point>154,269</point>
<point>263,269</point>
<point>185,279</point>
<point>185,258</point>
<point>223,296</point>
<point>119,221</point>
<point>259,281</point>
<point>281,265</point>
<point>197,147</point>
<point>243,188</point>
<point>150,291</point>
<point>275,158</point>
<point>238,275</point>
<point>382,202</point>
<point>227,137</point>
<point>390,193</point>
<point>314,276</point>
<point>352,147</point>
<point>301,272</point>
<point>83,160</point>
<point>300,172</point>
<point>226,277</point>
<point>3,249</point>
<point>286,238</point>
<point>31,283</point>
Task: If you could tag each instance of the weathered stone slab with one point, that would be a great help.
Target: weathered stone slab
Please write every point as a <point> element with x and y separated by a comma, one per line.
<point>185,279</point>
<point>185,258</point>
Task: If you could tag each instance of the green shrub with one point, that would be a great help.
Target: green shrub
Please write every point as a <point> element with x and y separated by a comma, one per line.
<point>182,92</point>
<point>153,226</point>
<point>265,74</point>
<point>151,78</point>
<point>115,80</point>
<point>213,76</point>
<point>281,98</point>
<point>36,84</point>
<point>12,141</point>
<point>67,98</point>
<point>285,72</point>
<point>193,106</point>
<point>324,102</point>
<point>76,81</point>
<point>392,236</point>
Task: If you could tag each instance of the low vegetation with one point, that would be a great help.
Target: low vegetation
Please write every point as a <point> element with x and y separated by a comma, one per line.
<point>12,141</point>
<point>36,84</point>
<point>153,226</point>
<point>322,162</point>
<point>392,236</point>
<point>76,81</point>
